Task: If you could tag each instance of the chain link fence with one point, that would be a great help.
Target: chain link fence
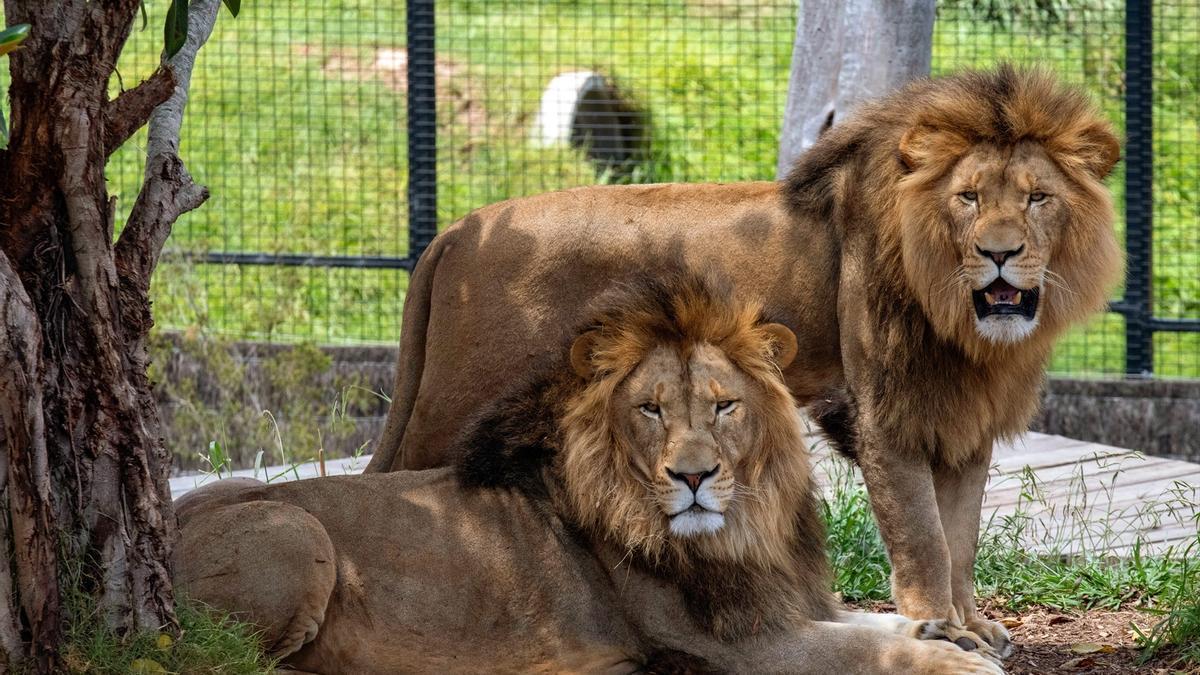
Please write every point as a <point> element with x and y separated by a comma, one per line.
<point>299,125</point>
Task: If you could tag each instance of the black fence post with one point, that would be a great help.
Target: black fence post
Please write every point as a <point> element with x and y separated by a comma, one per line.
<point>422,127</point>
<point>1139,186</point>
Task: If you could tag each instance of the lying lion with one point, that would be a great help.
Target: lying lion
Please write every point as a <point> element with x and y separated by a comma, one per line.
<point>650,508</point>
<point>927,252</point>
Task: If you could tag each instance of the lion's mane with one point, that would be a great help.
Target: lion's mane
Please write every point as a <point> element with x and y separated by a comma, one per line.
<point>862,179</point>
<point>556,441</point>
<point>859,175</point>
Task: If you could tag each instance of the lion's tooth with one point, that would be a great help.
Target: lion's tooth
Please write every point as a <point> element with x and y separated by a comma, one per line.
<point>1017,298</point>
<point>991,299</point>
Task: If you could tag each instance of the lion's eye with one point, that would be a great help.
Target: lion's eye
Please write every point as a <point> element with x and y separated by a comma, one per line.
<point>726,407</point>
<point>650,410</point>
<point>1037,197</point>
<point>969,197</point>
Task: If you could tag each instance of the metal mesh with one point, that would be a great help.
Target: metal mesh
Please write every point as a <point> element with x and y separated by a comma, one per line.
<point>1175,252</point>
<point>298,125</point>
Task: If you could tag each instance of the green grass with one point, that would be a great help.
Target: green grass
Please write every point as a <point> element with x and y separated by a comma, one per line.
<point>1018,568</point>
<point>208,642</point>
<point>1178,633</point>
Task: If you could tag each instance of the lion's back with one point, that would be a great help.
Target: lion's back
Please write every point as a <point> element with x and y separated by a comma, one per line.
<point>514,279</point>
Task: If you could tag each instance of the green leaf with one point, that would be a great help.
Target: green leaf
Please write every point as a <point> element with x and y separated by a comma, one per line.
<point>3,129</point>
<point>175,32</point>
<point>234,6</point>
<point>145,17</point>
<point>11,37</point>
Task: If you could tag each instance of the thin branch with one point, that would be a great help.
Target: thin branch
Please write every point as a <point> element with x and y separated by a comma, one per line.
<point>131,110</point>
<point>168,190</point>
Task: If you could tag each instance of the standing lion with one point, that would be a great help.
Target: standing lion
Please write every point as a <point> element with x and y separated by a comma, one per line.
<point>645,505</point>
<point>926,253</point>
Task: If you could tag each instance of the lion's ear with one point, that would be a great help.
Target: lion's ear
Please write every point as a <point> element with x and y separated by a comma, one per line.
<point>923,146</point>
<point>581,354</point>
<point>1094,149</point>
<point>785,343</point>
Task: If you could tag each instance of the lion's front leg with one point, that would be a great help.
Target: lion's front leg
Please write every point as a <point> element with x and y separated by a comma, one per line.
<point>947,630</point>
<point>960,498</point>
<point>821,647</point>
<point>901,489</point>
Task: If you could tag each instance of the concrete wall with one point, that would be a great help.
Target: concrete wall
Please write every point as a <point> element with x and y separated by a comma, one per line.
<point>1157,417</point>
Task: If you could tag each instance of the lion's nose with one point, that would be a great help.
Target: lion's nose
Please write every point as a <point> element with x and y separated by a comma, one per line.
<point>1000,257</point>
<point>693,480</point>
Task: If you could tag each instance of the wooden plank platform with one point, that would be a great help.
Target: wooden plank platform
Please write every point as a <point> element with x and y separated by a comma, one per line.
<point>1072,497</point>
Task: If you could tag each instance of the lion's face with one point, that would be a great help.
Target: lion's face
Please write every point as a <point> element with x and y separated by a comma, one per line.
<point>684,435</point>
<point>1008,208</point>
<point>686,418</point>
<point>1004,243</point>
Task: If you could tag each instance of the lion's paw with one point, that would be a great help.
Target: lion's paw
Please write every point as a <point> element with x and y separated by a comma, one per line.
<point>995,634</point>
<point>965,639</point>
<point>944,658</point>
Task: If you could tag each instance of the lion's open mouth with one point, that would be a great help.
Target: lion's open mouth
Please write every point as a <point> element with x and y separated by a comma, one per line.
<point>1001,298</point>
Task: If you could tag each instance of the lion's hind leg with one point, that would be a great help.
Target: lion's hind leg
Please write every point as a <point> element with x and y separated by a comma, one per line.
<point>269,563</point>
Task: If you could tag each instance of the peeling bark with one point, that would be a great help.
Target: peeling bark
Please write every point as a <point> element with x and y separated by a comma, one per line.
<point>83,469</point>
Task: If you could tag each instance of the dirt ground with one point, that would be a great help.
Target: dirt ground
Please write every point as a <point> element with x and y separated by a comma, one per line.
<point>1096,642</point>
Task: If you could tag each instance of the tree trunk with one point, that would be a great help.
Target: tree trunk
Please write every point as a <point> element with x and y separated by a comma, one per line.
<point>83,469</point>
<point>846,52</point>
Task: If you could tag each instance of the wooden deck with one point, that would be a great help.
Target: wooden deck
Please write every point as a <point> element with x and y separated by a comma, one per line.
<point>1069,496</point>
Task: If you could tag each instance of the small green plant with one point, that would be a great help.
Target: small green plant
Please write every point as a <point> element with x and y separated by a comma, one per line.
<point>208,641</point>
<point>228,405</point>
<point>856,551</point>
<point>216,462</point>
<point>1177,635</point>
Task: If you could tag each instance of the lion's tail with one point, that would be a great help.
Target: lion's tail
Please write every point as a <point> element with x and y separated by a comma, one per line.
<point>836,413</point>
<point>411,364</point>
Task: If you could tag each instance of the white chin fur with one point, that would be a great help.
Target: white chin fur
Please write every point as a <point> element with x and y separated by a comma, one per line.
<point>1006,329</point>
<point>692,523</point>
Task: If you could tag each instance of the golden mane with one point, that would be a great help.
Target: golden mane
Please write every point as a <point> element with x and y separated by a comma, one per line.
<point>557,440</point>
<point>883,163</point>
<point>774,538</point>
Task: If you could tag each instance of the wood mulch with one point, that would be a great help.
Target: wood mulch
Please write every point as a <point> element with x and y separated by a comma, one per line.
<point>1093,642</point>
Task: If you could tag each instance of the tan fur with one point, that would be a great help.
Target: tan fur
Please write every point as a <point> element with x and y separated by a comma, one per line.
<point>858,252</point>
<point>571,566</point>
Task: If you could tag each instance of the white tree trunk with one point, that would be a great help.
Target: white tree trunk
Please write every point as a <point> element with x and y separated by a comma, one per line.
<point>848,51</point>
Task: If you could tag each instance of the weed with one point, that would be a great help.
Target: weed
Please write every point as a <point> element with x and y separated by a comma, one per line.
<point>208,641</point>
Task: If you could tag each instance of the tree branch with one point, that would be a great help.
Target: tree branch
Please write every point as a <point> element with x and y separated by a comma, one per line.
<point>130,111</point>
<point>168,190</point>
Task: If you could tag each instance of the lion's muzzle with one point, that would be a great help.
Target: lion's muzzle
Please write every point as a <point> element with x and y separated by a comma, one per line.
<point>1001,298</point>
